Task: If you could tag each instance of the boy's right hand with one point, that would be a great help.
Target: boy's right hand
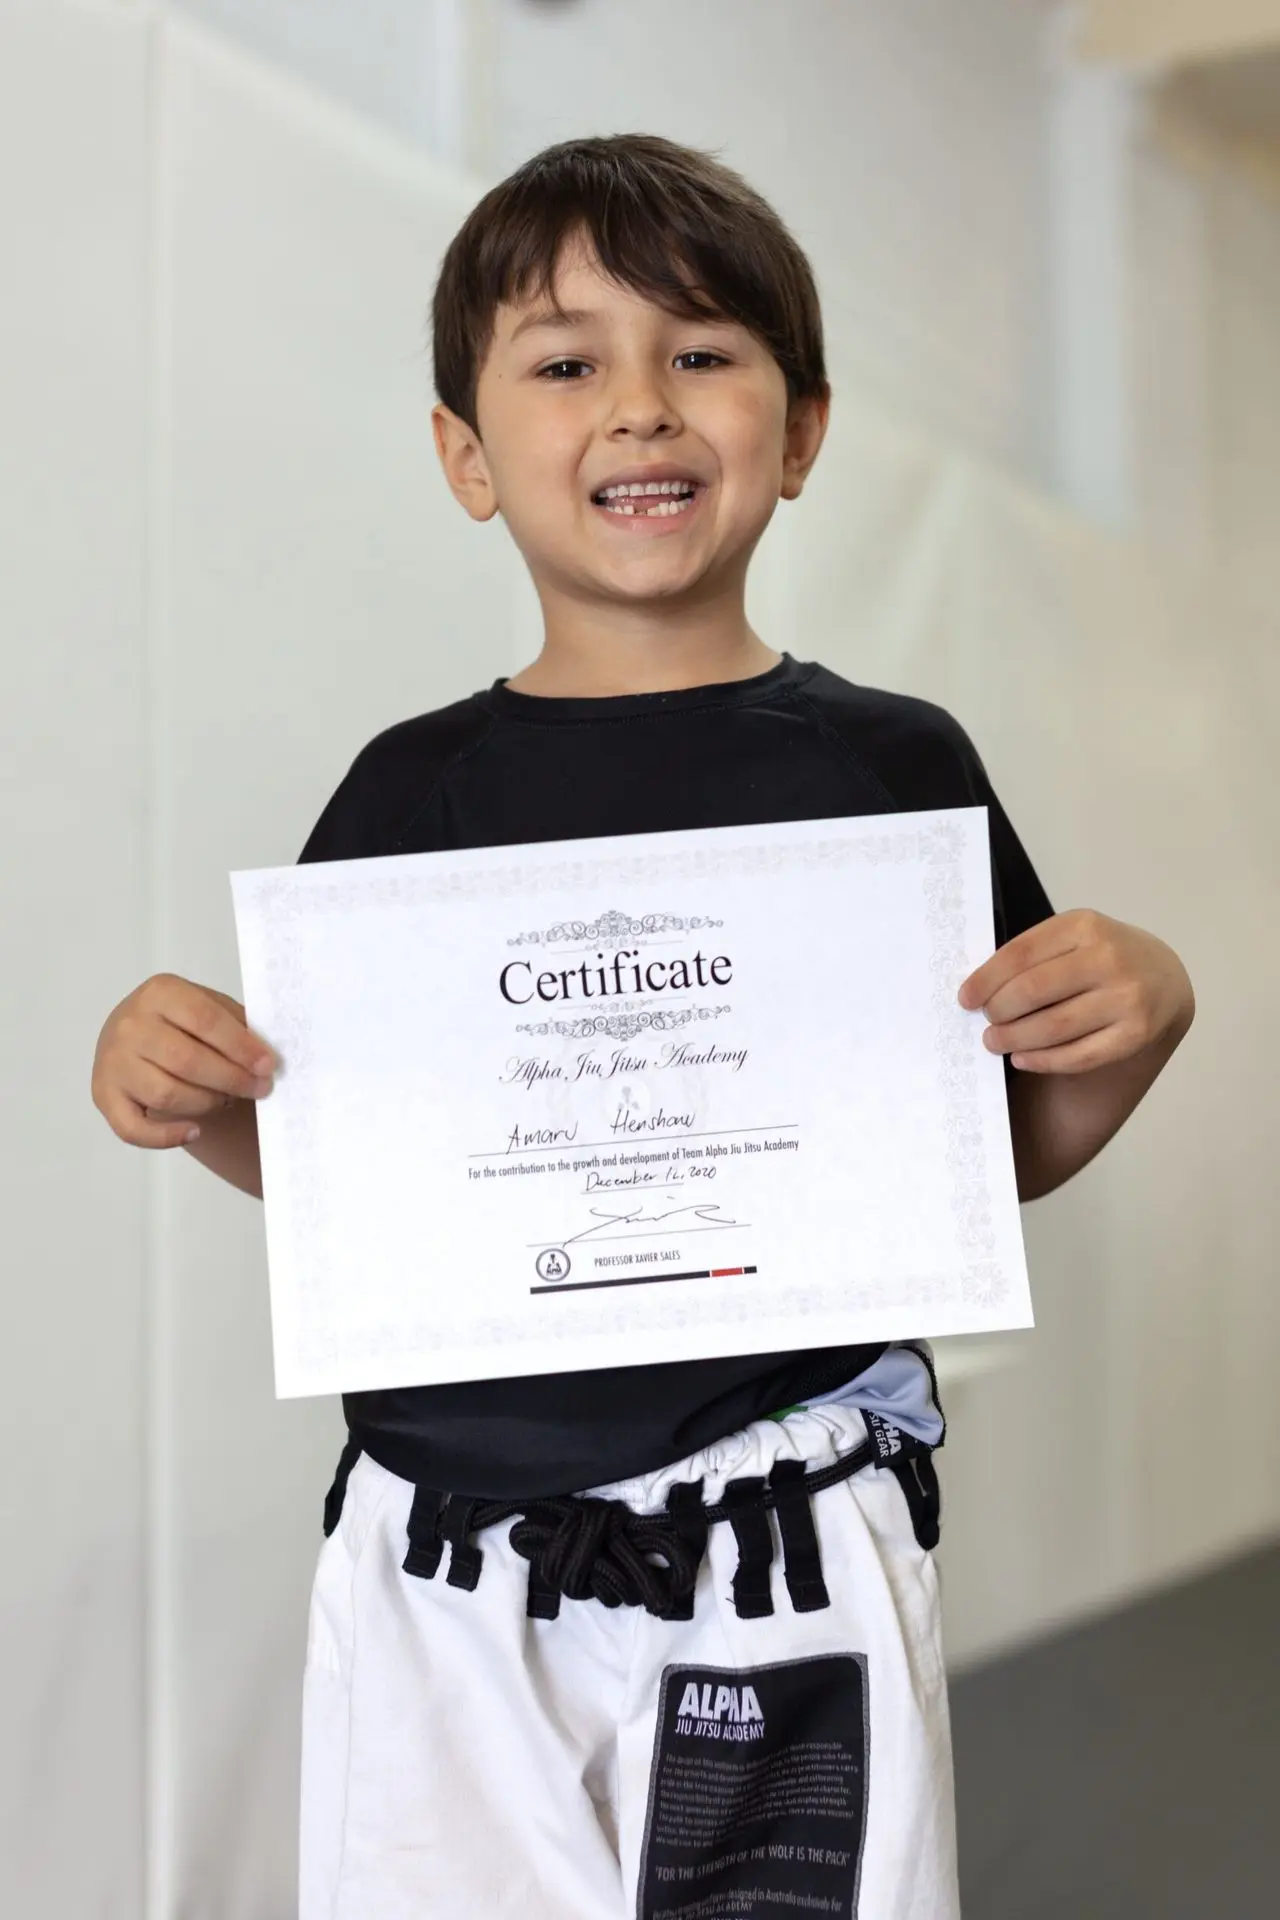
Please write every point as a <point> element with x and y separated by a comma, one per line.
<point>171,1053</point>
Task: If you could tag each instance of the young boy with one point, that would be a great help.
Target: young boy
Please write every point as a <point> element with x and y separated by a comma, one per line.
<point>655,1640</point>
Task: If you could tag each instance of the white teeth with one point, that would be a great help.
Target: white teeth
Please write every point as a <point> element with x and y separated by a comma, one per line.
<point>672,496</point>
<point>636,489</point>
<point>663,508</point>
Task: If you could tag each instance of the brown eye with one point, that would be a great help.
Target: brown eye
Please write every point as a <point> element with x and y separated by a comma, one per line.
<point>703,353</point>
<point>552,371</point>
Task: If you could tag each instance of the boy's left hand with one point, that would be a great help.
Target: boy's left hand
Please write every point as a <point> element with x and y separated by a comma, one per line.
<point>1080,991</point>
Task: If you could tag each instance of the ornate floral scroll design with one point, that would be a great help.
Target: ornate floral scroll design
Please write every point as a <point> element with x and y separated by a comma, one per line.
<point>984,1281</point>
<point>611,927</point>
<point>624,1026</point>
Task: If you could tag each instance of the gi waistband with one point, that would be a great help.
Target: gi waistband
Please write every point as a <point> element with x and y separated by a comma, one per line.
<point>583,1547</point>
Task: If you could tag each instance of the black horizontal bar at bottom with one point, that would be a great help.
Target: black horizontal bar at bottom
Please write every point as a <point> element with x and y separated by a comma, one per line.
<point>645,1279</point>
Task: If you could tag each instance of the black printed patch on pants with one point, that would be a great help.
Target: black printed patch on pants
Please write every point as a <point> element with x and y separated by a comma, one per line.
<point>758,1793</point>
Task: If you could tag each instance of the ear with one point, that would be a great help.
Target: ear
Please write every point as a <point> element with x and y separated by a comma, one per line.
<point>805,432</point>
<point>463,462</point>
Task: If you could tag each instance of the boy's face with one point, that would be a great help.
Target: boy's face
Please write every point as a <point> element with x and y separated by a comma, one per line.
<point>627,391</point>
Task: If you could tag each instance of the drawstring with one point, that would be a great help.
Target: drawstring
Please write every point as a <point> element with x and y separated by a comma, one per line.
<point>599,1549</point>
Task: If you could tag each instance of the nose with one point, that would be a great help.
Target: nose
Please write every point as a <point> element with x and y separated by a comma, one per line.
<point>641,405</point>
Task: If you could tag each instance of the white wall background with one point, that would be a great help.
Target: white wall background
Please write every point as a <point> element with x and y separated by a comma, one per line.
<point>74,773</point>
<point>903,143</point>
<point>1206,402</point>
<point>228,560</point>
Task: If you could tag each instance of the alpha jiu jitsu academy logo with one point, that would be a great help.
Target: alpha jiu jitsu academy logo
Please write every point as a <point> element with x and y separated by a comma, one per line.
<point>720,1713</point>
<point>553,1264</point>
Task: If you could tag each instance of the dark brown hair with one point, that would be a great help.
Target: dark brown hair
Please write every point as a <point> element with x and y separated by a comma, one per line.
<point>672,223</point>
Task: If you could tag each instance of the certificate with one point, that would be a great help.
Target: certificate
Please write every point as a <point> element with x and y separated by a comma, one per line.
<point>617,1101</point>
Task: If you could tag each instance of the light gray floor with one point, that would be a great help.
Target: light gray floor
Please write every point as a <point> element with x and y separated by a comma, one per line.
<point>1130,1770</point>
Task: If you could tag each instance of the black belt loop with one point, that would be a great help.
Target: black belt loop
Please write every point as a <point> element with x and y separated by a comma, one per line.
<point>750,1522</point>
<point>333,1500</point>
<point>543,1602</point>
<point>465,1557</point>
<point>688,1516</point>
<point>425,1544</point>
<point>918,1478</point>
<point>801,1561</point>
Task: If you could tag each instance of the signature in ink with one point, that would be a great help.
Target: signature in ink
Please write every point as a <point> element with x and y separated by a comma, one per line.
<point>636,1216</point>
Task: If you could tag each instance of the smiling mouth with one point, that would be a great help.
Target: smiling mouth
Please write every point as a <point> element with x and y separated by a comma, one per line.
<point>659,500</point>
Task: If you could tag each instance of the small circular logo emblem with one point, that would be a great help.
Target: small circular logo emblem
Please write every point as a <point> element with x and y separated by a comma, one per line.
<point>552,1264</point>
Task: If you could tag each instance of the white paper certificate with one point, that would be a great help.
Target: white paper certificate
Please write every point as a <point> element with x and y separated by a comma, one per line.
<point>604,1102</point>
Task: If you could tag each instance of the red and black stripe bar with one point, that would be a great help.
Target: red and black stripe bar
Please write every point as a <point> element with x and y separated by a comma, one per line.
<point>644,1279</point>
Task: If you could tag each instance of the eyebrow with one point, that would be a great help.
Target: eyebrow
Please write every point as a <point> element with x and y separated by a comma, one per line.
<point>544,318</point>
<point>551,317</point>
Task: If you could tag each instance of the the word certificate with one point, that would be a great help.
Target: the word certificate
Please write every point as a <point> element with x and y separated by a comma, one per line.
<point>604,1102</point>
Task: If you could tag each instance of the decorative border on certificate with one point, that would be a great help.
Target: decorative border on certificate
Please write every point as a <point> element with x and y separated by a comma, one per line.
<point>612,925</point>
<point>623,1026</point>
<point>938,846</point>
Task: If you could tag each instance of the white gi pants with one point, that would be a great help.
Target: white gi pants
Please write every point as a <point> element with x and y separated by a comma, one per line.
<point>462,1761</point>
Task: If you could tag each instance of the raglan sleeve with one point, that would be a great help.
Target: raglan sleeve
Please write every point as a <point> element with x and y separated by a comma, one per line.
<point>1019,897</point>
<point>386,791</point>
<point>350,827</point>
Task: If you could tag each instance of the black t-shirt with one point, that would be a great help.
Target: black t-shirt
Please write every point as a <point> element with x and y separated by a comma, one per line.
<point>505,768</point>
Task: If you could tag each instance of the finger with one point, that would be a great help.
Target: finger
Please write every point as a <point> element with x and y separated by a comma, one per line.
<point>128,1119</point>
<point>192,1111</point>
<point>262,1049</point>
<point>1095,1050</point>
<point>1060,977</point>
<point>165,1097</point>
<point>175,1052</point>
<point>234,1007</point>
<point>1061,934</point>
<point>1056,1026</point>
<point>209,1017</point>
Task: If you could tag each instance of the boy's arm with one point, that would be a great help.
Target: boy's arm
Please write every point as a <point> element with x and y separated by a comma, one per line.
<point>1060,1122</point>
<point>228,1146</point>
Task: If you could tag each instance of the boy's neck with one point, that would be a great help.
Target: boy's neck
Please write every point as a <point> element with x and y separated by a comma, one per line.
<point>597,665</point>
